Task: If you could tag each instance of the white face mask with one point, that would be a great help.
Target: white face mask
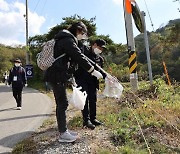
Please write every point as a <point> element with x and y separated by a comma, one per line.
<point>81,37</point>
<point>97,51</point>
<point>17,64</point>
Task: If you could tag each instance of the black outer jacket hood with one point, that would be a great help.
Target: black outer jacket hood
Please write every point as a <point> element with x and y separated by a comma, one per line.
<point>65,33</point>
<point>67,43</point>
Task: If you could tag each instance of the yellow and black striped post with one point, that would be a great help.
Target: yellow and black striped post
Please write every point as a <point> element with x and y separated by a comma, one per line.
<point>131,45</point>
<point>132,62</point>
<point>133,70</point>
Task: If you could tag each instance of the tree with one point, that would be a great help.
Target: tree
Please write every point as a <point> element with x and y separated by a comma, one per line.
<point>67,21</point>
<point>177,1</point>
<point>8,55</point>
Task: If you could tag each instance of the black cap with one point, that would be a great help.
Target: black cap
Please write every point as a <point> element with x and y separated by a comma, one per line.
<point>17,60</point>
<point>101,43</point>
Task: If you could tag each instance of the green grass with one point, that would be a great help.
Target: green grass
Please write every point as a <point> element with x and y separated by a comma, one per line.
<point>124,130</point>
<point>48,122</point>
<point>25,146</point>
<point>131,149</point>
<point>76,122</point>
<point>104,151</point>
<point>37,85</point>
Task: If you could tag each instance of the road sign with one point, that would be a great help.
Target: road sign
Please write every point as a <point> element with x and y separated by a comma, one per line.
<point>29,71</point>
<point>136,13</point>
<point>128,7</point>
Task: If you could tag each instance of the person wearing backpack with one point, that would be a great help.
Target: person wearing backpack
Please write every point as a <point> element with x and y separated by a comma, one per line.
<point>89,83</point>
<point>17,77</point>
<point>66,41</point>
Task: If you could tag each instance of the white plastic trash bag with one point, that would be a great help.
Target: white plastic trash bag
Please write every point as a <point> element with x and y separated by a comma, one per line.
<point>112,87</point>
<point>78,98</point>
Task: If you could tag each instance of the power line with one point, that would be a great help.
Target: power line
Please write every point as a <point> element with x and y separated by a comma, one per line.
<point>43,6</point>
<point>149,15</point>
<point>36,5</point>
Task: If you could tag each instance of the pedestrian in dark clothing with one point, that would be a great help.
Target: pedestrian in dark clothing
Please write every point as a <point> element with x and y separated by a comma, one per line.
<point>6,76</point>
<point>17,77</point>
<point>90,83</point>
<point>61,70</point>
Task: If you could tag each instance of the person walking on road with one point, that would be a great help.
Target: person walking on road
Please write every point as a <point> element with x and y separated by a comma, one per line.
<point>90,84</point>
<point>62,69</point>
<point>17,77</point>
<point>6,76</point>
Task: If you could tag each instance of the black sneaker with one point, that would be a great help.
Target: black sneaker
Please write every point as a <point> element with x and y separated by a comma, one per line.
<point>88,124</point>
<point>96,122</point>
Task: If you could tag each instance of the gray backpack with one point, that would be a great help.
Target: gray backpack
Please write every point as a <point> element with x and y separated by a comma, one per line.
<point>45,58</point>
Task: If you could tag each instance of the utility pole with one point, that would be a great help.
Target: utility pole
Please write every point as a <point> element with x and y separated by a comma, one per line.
<point>147,48</point>
<point>29,67</point>
<point>27,46</point>
<point>131,44</point>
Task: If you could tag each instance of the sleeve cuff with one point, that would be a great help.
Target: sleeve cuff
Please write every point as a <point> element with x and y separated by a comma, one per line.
<point>91,69</point>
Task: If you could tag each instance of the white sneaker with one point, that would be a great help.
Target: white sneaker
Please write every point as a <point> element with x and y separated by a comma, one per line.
<point>18,108</point>
<point>73,133</point>
<point>67,137</point>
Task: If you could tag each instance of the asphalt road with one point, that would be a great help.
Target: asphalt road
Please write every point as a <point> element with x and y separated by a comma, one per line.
<point>15,125</point>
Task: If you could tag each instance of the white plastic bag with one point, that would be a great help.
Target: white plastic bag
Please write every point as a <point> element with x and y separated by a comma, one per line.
<point>78,98</point>
<point>112,87</point>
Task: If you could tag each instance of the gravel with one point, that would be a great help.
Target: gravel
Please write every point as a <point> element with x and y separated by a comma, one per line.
<point>78,147</point>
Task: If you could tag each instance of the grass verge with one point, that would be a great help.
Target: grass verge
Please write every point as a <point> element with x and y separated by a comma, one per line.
<point>124,135</point>
<point>159,101</point>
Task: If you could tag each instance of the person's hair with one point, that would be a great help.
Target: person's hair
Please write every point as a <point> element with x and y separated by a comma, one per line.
<point>17,60</point>
<point>77,26</point>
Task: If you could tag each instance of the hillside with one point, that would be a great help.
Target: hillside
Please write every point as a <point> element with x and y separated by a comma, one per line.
<point>164,46</point>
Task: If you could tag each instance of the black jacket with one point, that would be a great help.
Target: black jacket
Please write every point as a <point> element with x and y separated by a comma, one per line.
<point>63,68</point>
<point>83,76</point>
<point>17,77</point>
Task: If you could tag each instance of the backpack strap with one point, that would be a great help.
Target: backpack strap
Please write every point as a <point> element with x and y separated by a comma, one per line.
<point>60,56</point>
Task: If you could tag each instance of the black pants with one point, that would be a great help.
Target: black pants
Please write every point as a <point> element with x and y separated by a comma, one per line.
<point>17,93</point>
<point>59,91</point>
<point>89,111</point>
